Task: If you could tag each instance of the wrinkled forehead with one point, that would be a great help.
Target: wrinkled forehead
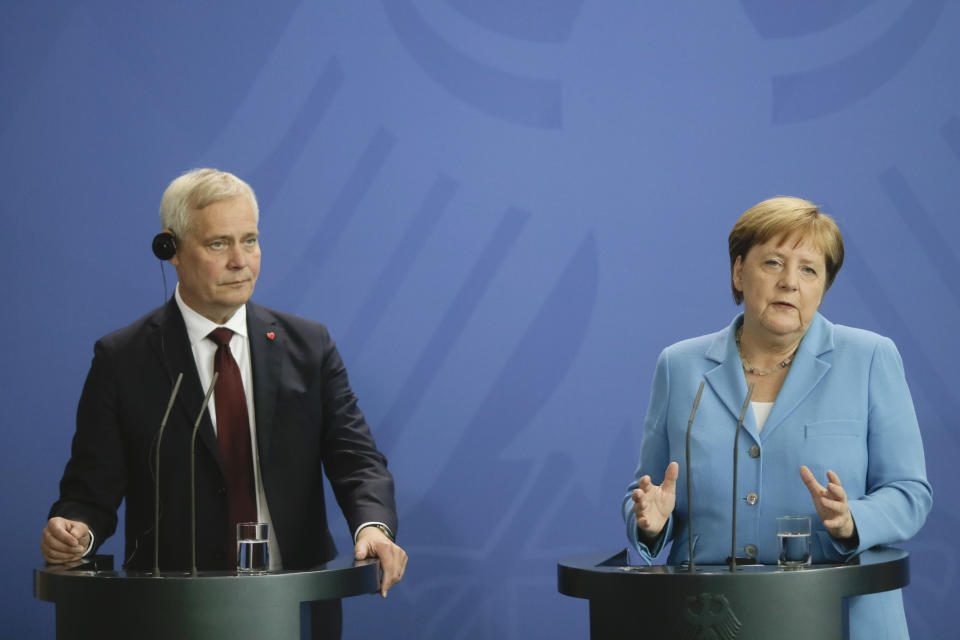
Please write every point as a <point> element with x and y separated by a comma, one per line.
<point>231,216</point>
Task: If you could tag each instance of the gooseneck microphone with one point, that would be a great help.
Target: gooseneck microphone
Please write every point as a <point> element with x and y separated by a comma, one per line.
<point>693,412</point>
<point>156,480</point>
<point>736,441</point>
<point>193,474</point>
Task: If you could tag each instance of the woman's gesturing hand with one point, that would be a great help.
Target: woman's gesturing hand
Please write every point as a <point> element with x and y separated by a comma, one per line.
<point>653,504</point>
<point>831,504</point>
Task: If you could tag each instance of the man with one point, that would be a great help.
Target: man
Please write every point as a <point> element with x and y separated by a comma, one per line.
<point>281,414</point>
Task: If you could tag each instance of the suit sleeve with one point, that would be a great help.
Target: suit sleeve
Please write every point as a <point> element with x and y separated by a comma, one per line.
<point>898,496</point>
<point>94,480</point>
<point>654,458</point>
<point>357,471</point>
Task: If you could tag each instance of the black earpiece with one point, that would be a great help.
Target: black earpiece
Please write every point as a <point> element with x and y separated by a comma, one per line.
<point>164,245</point>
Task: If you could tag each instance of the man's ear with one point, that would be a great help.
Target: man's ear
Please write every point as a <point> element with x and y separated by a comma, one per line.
<point>165,246</point>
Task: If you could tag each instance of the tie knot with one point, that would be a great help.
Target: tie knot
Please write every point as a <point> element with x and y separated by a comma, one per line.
<point>221,336</point>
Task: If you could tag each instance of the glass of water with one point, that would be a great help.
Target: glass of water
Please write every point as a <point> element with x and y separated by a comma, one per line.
<point>253,555</point>
<point>793,541</point>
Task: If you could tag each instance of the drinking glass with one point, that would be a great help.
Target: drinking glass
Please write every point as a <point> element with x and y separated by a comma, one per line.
<point>793,541</point>
<point>253,555</point>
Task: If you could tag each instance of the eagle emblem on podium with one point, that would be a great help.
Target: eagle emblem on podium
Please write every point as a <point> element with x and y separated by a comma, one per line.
<point>709,616</point>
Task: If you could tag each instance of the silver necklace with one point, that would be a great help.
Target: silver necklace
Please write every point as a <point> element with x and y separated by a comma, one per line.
<point>749,368</point>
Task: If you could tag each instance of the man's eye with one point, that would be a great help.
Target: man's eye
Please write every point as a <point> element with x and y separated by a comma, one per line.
<point>251,242</point>
<point>217,244</point>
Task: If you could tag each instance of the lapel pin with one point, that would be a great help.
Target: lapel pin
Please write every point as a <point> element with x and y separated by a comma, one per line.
<point>271,335</point>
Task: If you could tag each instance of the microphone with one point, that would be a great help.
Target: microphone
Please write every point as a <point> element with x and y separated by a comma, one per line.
<point>156,481</point>
<point>693,412</point>
<point>193,481</point>
<point>736,439</point>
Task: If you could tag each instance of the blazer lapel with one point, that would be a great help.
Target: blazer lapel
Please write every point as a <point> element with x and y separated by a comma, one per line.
<point>173,348</point>
<point>727,379</point>
<point>805,373</point>
<point>267,346</point>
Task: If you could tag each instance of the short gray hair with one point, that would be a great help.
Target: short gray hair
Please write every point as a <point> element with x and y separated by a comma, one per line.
<point>197,189</point>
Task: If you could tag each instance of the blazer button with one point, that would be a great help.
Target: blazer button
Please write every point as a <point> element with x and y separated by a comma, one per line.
<point>752,498</point>
<point>750,550</point>
<point>755,451</point>
<point>222,491</point>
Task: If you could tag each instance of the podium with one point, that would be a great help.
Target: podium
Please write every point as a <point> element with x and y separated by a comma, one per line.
<point>758,601</point>
<point>93,601</point>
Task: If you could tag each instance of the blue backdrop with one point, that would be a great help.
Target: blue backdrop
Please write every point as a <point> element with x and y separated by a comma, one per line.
<point>503,210</point>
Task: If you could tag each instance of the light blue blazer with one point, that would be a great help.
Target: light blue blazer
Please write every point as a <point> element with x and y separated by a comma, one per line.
<point>844,406</point>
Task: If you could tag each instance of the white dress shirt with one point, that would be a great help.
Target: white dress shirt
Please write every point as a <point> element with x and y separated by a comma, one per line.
<point>204,349</point>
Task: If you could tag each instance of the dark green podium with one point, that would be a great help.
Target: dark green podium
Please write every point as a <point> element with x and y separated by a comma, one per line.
<point>93,601</point>
<point>756,602</point>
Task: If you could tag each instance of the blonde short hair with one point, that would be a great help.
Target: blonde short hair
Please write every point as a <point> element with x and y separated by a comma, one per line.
<point>784,216</point>
<point>196,190</point>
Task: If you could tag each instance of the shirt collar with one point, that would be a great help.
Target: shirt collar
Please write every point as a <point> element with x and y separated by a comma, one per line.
<point>199,327</point>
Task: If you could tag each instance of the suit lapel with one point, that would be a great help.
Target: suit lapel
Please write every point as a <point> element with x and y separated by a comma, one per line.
<point>805,373</point>
<point>266,350</point>
<point>173,348</point>
<point>727,379</point>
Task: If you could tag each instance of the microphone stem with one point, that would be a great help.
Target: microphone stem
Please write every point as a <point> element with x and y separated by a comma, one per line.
<point>736,451</point>
<point>693,412</point>
<point>156,482</point>
<point>193,473</point>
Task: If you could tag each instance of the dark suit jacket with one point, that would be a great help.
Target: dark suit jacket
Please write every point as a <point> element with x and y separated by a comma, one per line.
<point>307,423</point>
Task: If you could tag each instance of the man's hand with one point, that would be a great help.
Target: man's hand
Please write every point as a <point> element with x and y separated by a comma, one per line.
<point>831,504</point>
<point>374,543</point>
<point>64,540</point>
<point>653,504</point>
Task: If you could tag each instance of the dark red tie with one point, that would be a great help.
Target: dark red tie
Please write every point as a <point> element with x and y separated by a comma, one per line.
<point>233,433</point>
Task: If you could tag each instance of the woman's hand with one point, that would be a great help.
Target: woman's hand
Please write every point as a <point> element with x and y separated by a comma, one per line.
<point>653,504</point>
<point>831,504</point>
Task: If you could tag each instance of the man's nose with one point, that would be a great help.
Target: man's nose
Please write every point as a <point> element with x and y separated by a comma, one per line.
<point>236,257</point>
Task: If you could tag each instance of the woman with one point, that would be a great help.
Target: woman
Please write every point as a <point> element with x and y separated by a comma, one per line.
<point>832,432</point>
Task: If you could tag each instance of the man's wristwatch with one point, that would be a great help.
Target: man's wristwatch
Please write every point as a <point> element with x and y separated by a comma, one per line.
<point>385,529</point>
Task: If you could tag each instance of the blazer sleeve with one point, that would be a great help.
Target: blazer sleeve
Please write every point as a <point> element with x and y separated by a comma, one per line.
<point>654,458</point>
<point>357,471</point>
<point>94,480</point>
<point>898,496</point>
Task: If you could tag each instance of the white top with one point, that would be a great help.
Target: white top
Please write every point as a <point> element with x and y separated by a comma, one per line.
<point>761,411</point>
